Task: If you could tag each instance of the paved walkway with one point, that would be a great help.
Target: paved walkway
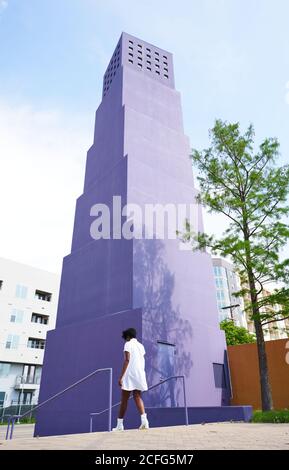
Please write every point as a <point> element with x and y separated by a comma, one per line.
<point>20,431</point>
<point>208,436</point>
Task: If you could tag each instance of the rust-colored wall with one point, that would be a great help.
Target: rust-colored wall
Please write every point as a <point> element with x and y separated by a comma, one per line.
<point>245,373</point>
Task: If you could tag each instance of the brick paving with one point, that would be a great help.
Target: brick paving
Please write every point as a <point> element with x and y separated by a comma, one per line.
<point>208,436</point>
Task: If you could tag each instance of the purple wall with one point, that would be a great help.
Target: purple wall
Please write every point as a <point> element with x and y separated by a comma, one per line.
<point>141,153</point>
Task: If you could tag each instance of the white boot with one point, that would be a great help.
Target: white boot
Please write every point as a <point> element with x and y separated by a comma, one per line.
<point>144,422</point>
<point>119,426</point>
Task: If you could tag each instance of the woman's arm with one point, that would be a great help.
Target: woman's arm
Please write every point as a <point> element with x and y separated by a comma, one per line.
<point>124,367</point>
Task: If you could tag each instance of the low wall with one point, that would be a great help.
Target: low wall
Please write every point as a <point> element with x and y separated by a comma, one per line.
<point>245,377</point>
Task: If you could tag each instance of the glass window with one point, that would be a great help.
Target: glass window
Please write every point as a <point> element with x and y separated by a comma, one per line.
<point>220,295</point>
<point>38,318</point>
<point>21,291</point>
<point>36,343</point>
<point>16,316</point>
<point>219,283</point>
<point>12,342</point>
<point>217,270</point>
<point>4,369</point>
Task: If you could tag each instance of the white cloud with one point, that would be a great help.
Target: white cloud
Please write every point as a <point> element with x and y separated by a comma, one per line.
<point>42,156</point>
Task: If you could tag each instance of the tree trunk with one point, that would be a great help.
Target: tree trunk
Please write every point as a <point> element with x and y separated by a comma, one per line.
<point>266,394</point>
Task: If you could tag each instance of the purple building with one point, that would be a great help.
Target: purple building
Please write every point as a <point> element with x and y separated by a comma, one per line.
<point>140,153</point>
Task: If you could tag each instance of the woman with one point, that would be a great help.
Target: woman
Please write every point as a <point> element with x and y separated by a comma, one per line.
<point>133,378</point>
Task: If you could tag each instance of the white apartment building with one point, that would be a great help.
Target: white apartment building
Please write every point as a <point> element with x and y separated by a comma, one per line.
<point>28,306</point>
<point>227,281</point>
<point>273,330</point>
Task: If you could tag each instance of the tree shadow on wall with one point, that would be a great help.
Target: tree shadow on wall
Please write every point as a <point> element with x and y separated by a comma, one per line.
<point>163,323</point>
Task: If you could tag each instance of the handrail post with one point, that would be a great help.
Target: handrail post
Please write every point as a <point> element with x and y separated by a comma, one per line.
<point>107,369</point>
<point>185,401</point>
<point>110,400</point>
<point>12,427</point>
<point>8,428</point>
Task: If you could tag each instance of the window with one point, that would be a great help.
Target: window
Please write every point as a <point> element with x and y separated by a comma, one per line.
<point>148,62</point>
<point>12,342</point>
<point>217,270</point>
<point>157,66</point>
<point>156,53</point>
<point>21,291</point>
<point>219,283</point>
<point>4,369</point>
<point>130,48</point>
<point>139,45</point>
<point>157,71</point>
<point>130,54</point>
<point>165,69</point>
<point>139,58</point>
<point>16,316</point>
<point>220,295</point>
<point>131,61</point>
<point>38,318</point>
<point>42,295</point>
<point>166,76</point>
<point>1,284</point>
<point>149,68</point>
<point>36,343</point>
<point>2,398</point>
<point>148,56</point>
<point>25,398</point>
<point>148,49</point>
<point>219,375</point>
<point>139,65</point>
<point>157,60</point>
<point>165,63</point>
<point>131,42</point>
<point>28,374</point>
<point>165,57</point>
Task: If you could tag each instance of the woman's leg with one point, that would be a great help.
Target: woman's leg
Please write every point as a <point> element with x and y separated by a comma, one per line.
<point>138,401</point>
<point>125,394</point>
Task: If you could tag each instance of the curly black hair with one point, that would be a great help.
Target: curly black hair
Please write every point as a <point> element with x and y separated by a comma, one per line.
<point>129,333</point>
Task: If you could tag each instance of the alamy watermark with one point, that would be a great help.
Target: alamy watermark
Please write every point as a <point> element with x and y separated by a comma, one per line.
<point>147,221</point>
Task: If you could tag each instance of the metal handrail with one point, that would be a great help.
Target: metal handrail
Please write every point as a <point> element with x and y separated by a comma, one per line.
<point>150,388</point>
<point>12,419</point>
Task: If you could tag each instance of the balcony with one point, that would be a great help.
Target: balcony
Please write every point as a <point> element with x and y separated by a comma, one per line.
<point>26,383</point>
<point>36,343</point>
<point>42,295</point>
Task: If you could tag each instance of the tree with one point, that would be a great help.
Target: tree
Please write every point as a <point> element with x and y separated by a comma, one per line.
<point>251,191</point>
<point>236,334</point>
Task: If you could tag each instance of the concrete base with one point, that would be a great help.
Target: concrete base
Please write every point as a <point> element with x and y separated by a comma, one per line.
<point>161,417</point>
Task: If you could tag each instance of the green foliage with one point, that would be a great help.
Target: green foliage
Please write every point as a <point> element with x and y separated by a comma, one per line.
<point>247,187</point>
<point>277,416</point>
<point>236,334</point>
<point>26,420</point>
<point>251,191</point>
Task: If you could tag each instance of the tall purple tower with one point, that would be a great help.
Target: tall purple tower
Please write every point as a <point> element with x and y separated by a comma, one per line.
<point>140,153</point>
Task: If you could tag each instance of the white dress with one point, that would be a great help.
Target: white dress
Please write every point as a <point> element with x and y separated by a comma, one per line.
<point>134,377</point>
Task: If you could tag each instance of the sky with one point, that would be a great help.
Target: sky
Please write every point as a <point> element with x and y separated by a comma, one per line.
<point>231,62</point>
